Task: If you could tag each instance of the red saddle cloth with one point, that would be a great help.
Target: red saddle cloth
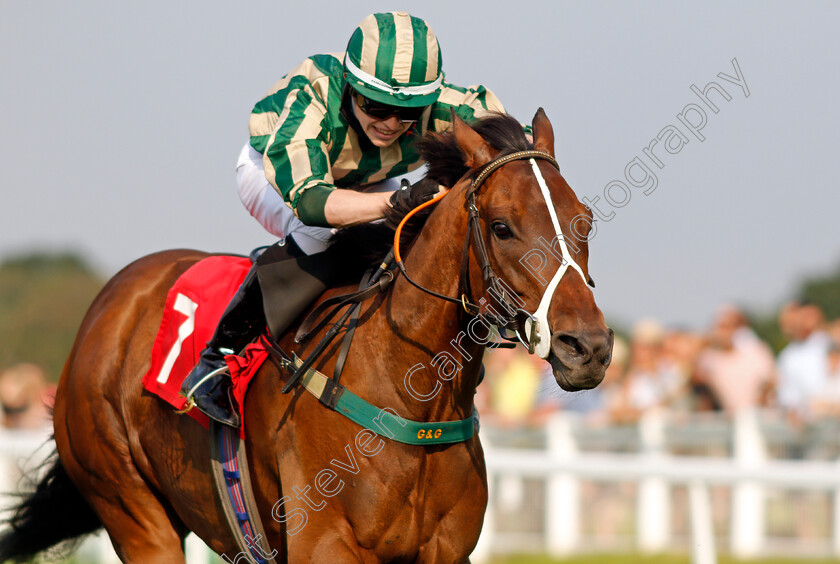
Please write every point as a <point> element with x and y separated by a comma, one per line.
<point>194,305</point>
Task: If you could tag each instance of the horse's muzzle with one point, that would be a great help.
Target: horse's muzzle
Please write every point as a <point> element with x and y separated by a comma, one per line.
<point>580,360</point>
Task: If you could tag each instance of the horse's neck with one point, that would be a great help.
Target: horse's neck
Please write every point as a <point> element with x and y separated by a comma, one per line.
<point>430,341</point>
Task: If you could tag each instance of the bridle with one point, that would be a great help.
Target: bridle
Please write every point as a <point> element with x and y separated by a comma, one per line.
<point>513,321</point>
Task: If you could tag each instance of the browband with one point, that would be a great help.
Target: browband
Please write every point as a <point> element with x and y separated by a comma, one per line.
<point>519,155</point>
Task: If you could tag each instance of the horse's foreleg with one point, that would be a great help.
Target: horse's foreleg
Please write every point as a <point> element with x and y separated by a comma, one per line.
<point>456,533</point>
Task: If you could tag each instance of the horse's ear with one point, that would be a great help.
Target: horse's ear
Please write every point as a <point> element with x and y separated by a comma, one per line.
<point>543,133</point>
<point>476,151</point>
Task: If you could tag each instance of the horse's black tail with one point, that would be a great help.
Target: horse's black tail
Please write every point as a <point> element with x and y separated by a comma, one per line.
<point>53,513</point>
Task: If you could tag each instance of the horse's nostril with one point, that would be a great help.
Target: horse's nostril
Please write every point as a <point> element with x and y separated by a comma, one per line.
<point>582,348</point>
<point>573,344</point>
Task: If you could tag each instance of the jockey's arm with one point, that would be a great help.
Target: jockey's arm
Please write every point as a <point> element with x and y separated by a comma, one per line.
<point>345,208</point>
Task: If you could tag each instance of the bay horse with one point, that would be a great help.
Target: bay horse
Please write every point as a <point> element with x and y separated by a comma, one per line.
<point>127,462</point>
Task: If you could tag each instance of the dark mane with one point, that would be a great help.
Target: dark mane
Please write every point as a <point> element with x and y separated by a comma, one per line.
<point>445,165</point>
<point>444,159</point>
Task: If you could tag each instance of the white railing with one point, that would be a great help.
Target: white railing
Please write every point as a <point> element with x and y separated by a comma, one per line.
<point>562,467</point>
<point>560,464</point>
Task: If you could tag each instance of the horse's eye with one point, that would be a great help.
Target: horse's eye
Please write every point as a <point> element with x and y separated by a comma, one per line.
<point>501,230</point>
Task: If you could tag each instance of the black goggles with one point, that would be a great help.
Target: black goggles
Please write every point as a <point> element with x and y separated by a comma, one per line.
<point>382,111</point>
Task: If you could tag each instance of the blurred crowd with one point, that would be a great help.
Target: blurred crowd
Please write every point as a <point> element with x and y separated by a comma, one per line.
<point>726,368</point>
<point>25,397</point>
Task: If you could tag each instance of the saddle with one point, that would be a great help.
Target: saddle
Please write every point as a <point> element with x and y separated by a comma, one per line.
<point>192,310</point>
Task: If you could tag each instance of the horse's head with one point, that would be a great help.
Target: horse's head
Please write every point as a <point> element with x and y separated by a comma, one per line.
<point>534,262</point>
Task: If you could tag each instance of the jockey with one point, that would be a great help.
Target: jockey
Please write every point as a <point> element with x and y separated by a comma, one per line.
<point>320,141</point>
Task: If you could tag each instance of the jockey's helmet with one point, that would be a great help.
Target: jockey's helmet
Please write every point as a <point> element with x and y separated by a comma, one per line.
<point>394,59</point>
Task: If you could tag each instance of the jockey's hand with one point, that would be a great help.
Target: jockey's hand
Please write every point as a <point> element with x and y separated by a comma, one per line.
<point>410,196</point>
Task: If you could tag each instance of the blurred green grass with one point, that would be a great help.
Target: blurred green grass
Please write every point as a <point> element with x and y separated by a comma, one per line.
<point>622,559</point>
<point>648,559</point>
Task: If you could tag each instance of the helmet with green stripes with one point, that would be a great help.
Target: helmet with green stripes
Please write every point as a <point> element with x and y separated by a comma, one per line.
<point>394,58</point>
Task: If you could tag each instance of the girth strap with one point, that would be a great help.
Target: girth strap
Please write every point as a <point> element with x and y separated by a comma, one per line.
<point>229,464</point>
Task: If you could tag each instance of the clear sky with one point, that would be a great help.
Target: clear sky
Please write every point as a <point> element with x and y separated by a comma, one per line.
<point>120,124</point>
